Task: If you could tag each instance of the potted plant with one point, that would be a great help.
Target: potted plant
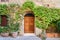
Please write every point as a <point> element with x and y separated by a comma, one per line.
<point>14,29</point>
<point>55,32</point>
<point>58,28</point>
<point>4,31</point>
<point>43,17</point>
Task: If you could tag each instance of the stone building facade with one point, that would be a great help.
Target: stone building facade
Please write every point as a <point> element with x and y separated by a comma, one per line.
<point>47,3</point>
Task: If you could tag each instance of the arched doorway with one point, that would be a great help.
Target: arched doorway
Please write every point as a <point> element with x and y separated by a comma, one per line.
<point>29,22</point>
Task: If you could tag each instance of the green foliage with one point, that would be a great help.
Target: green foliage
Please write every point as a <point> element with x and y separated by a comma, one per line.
<point>14,27</point>
<point>13,5</point>
<point>17,16</point>
<point>12,11</point>
<point>13,8</point>
<point>43,15</point>
<point>58,26</point>
<point>28,4</point>
<point>0,19</point>
<point>1,29</point>
<point>3,9</point>
<point>4,29</point>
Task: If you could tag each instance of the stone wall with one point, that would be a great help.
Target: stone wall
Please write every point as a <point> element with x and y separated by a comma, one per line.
<point>47,3</point>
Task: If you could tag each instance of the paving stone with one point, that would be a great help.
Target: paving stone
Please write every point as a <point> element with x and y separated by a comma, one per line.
<point>26,38</point>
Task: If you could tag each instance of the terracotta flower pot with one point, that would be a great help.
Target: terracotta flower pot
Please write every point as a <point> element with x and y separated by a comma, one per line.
<point>59,35</point>
<point>50,35</point>
<point>5,34</point>
<point>53,35</point>
<point>56,35</point>
<point>14,34</point>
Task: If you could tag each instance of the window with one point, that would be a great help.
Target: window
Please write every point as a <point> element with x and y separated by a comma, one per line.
<point>3,21</point>
<point>4,0</point>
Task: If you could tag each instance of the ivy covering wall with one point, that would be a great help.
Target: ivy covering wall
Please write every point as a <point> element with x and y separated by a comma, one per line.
<point>12,11</point>
<point>43,15</point>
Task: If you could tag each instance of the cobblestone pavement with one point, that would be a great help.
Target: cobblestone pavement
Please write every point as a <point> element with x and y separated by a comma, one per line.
<point>26,38</point>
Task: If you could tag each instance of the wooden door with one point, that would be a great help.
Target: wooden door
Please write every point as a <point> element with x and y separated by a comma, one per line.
<point>29,24</point>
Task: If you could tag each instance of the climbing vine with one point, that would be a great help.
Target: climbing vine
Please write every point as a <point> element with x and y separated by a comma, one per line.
<point>43,15</point>
<point>12,12</point>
